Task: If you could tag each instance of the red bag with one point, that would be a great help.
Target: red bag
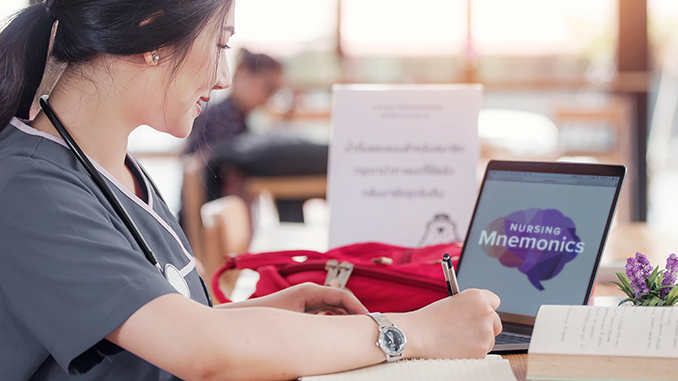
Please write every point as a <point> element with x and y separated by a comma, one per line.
<point>383,277</point>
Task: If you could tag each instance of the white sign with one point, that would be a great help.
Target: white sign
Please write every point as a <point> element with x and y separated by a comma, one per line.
<point>402,163</point>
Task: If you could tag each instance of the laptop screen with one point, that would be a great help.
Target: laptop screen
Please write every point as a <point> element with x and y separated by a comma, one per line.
<point>536,237</point>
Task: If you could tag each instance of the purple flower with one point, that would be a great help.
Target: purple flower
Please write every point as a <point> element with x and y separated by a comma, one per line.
<point>635,273</point>
<point>669,274</point>
<point>644,264</point>
<point>672,263</point>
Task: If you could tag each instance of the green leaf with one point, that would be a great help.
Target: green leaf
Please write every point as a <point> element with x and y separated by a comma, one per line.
<point>625,290</point>
<point>646,302</point>
<point>672,297</point>
<point>651,281</point>
<point>625,285</point>
<point>654,301</point>
<point>673,292</point>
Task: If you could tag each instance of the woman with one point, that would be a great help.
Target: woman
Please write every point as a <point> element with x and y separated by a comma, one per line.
<point>78,295</point>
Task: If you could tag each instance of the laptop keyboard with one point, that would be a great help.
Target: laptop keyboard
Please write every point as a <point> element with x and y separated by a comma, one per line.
<point>511,338</point>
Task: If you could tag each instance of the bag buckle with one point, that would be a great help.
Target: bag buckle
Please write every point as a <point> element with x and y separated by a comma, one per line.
<point>338,273</point>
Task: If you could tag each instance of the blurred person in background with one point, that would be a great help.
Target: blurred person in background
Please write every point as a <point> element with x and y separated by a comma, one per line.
<point>223,141</point>
<point>257,77</point>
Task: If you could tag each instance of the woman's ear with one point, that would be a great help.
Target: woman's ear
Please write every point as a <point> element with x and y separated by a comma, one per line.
<point>151,58</point>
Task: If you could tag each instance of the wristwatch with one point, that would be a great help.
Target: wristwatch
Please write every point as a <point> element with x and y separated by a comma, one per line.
<point>391,339</point>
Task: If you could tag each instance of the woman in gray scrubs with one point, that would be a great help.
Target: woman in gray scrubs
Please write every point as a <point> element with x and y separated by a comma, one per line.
<point>78,295</point>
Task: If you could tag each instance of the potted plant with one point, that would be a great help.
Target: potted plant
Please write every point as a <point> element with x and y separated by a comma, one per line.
<point>648,286</point>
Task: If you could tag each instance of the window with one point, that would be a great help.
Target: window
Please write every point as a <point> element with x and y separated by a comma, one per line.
<point>286,28</point>
<point>662,16</point>
<point>403,28</point>
<point>537,27</point>
<point>8,7</point>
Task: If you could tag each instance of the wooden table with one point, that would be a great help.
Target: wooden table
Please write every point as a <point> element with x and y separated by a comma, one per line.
<point>518,365</point>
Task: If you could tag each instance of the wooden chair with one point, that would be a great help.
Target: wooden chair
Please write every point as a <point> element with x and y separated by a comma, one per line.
<point>287,187</point>
<point>224,226</point>
<point>616,117</point>
<point>226,230</point>
<point>192,198</point>
<point>271,189</point>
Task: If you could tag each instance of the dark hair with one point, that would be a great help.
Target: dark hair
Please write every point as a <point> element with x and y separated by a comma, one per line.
<point>86,28</point>
<point>257,62</point>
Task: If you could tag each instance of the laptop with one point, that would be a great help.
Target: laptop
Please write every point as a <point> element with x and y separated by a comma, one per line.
<point>536,237</point>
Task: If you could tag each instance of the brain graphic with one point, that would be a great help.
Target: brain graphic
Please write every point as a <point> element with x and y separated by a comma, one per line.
<point>537,242</point>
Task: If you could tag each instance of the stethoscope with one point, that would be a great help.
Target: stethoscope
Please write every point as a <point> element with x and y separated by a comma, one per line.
<point>170,272</point>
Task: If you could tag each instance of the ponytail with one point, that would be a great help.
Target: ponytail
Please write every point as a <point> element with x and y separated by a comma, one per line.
<point>24,45</point>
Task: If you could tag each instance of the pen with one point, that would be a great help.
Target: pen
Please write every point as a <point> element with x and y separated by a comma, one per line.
<point>450,276</point>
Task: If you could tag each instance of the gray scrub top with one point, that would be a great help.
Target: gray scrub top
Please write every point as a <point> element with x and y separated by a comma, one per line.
<point>70,271</point>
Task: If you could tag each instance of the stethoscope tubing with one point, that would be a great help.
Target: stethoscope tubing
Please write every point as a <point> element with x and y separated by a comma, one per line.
<point>101,183</point>
<point>108,192</point>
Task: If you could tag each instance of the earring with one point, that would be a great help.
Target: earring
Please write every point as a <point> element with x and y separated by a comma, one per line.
<point>155,57</point>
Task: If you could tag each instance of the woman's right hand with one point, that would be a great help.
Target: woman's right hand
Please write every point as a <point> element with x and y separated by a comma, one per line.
<point>461,326</point>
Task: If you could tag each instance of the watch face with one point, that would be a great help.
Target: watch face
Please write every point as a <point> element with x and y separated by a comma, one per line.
<point>392,340</point>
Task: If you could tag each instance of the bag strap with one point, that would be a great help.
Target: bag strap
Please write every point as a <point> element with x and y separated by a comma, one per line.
<point>216,291</point>
<point>276,258</point>
<point>254,261</point>
<point>356,252</point>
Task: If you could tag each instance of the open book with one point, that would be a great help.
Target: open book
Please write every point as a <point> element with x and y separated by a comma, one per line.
<point>598,343</point>
<point>492,368</point>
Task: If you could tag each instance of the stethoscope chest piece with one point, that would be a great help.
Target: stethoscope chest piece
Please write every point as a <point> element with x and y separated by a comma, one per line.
<point>177,281</point>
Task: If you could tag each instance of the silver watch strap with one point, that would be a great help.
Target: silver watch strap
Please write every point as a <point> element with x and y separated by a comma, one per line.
<point>380,319</point>
<point>385,325</point>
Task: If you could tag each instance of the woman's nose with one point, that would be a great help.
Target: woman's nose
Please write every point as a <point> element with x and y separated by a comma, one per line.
<point>223,77</point>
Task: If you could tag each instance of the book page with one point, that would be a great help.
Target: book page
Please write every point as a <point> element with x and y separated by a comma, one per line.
<point>429,370</point>
<point>611,331</point>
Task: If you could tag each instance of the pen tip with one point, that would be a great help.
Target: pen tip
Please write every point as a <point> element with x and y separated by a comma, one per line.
<point>446,257</point>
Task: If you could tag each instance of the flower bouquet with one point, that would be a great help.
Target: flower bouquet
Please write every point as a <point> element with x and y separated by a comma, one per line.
<point>648,286</point>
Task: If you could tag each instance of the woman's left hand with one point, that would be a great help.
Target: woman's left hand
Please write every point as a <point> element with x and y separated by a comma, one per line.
<point>308,298</point>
